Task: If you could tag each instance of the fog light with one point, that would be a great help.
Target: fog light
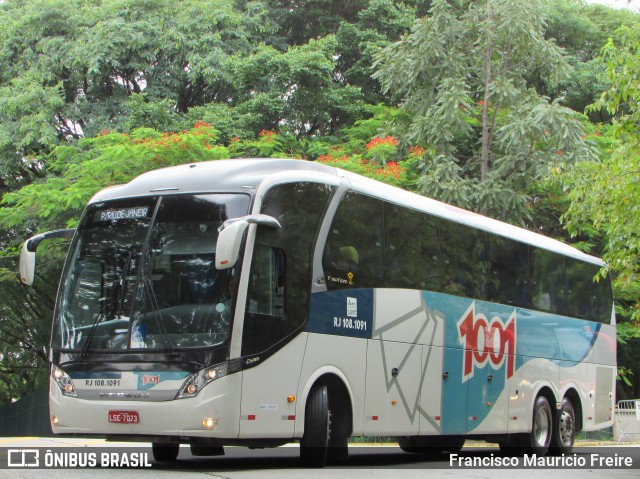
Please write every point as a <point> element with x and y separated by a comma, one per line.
<point>208,423</point>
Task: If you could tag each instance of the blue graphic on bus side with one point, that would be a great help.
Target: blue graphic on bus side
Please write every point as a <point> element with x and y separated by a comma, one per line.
<point>344,313</point>
<point>485,345</point>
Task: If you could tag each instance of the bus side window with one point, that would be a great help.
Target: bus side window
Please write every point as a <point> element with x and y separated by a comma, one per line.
<point>354,252</point>
<point>548,282</point>
<point>267,282</point>
<point>265,321</point>
<point>605,300</point>
<point>464,260</point>
<point>582,296</point>
<point>509,271</point>
<point>279,289</point>
<point>413,249</point>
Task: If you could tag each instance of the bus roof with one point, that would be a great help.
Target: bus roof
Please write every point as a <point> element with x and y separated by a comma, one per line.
<point>246,175</point>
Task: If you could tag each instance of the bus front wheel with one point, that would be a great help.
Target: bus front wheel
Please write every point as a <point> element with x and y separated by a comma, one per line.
<point>165,452</point>
<point>317,428</point>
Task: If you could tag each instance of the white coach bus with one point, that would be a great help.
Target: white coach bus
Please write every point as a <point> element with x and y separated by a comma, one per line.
<point>260,302</point>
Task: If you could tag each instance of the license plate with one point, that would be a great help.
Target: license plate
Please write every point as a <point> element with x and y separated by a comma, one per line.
<point>124,417</point>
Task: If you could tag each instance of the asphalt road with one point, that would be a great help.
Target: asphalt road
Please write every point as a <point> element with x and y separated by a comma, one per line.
<point>364,462</point>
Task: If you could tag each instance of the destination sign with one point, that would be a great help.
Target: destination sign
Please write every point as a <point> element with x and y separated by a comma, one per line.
<point>134,213</point>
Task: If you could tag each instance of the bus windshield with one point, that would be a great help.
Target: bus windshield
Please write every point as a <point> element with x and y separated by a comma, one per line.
<point>141,275</point>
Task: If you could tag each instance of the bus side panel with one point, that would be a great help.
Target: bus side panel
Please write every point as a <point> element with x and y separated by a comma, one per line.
<point>601,378</point>
<point>538,374</point>
<point>265,410</point>
<point>454,394</point>
<point>590,371</point>
<point>603,375</point>
<point>575,375</point>
<point>393,388</point>
<point>518,405</point>
<point>407,338</point>
<point>605,378</point>
<point>431,390</point>
<point>404,315</point>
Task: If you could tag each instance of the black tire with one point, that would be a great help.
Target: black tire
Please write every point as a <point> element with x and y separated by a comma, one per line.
<point>338,452</point>
<point>539,439</point>
<point>431,445</point>
<point>564,429</point>
<point>408,444</point>
<point>165,452</point>
<point>314,444</point>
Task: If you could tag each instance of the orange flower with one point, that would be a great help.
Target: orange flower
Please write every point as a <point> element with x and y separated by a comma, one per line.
<point>382,141</point>
<point>417,151</point>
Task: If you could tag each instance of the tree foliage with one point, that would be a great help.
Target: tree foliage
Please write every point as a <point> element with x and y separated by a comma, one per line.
<point>606,194</point>
<point>464,72</point>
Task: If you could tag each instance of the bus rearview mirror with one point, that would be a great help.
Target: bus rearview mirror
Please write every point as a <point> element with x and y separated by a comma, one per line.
<point>28,253</point>
<point>27,264</point>
<point>230,238</point>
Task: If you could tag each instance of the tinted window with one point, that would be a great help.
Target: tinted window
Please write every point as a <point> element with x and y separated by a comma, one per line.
<point>508,271</point>
<point>548,290</point>
<point>582,296</point>
<point>280,278</point>
<point>354,253</point>
<point>605,300</point>
<point>464,262</point>
<point>413,249</point>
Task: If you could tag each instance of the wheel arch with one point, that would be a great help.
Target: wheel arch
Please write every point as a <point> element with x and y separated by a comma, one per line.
<point>340,400</point>
<point>547,391</point>
<point>573,395</point>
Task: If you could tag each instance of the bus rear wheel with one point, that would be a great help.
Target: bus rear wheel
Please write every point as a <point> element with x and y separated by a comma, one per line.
<point>314,444</point>
<point>539,439</point>
<point>165,452</point>
<point>564,430</point>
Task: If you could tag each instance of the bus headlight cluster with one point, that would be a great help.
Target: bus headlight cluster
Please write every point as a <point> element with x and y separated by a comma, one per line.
<point>197,381</point>
<point>64,382</point>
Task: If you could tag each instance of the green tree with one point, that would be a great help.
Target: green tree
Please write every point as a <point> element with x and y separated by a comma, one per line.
<point>463,74</point>
<point>68,68</point>
<point>606,194</point>
<point>581,30</point>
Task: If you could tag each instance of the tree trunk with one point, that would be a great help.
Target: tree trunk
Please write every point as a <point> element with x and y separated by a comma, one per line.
<point>484,160</point>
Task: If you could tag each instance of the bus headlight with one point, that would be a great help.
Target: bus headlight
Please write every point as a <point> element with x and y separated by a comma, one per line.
<point>197,381</point>
<point>64,382</point>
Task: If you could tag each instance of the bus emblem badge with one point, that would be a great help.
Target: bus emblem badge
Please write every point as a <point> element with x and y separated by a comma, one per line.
<point>485,341</point>
<point>150,379</point>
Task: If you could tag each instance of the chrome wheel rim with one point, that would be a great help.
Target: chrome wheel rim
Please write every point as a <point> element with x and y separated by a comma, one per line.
<point>541,427</point>
<point>566,428</point>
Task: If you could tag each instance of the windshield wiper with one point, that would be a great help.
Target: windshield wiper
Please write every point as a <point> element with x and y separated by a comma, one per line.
<point>166,340</point>
<point>92,332</point>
